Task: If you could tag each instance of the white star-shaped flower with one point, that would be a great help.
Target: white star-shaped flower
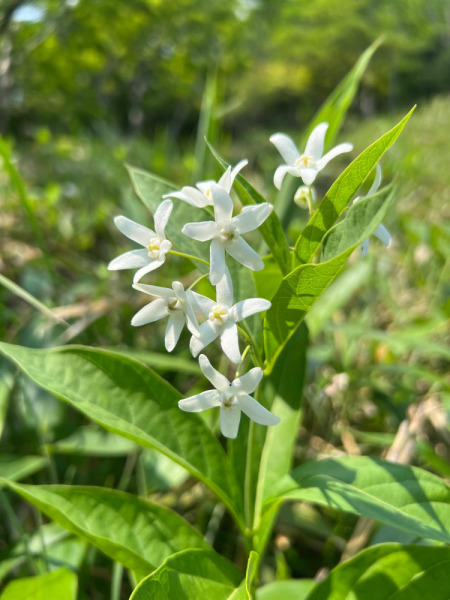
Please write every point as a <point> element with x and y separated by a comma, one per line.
<point>225,233</point>
<point>380,232</point>
<point>308,164</point>
<point>222,317</point>
<point>232,398</point>
<point>156,246</point>
<point>176,303</point>
<point>201,195</point>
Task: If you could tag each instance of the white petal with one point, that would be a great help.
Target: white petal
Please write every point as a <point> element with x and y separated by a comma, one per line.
<point>151,312</point>
<point>340,149</point>
<point>241,251</point>
<point>365,247</point>
<point>200,402</point>
<point>201,304</point>
<point>229,420</point>
<point>205,187</point>
<point>248,383</point>
<point>219,381</point>
<point>376,181</point>
<point>203,231</point>
<point>129,260</point>
<point>217,261</point>
<point>286,147</point>
<point>252,217</point>
<point>174,328</point>
<point>207,335</point>
<point>138,233</point>
<point>223,205</point>
<point>383,235</point>
<point>316,141</point>
<point>161,216</point>
<point>281,172</point>
<point>154,290</point>
<point>308,175</point>
<point>224,290</point>
<point>246,308</point>
<point>191,196</point>
<point>229,341</point>
<point>164,247</point>
<point>256,412</point>
<point>227,179</point>
<point>154,264</point>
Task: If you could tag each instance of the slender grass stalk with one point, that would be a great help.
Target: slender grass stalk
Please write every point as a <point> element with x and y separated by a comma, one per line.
<point>116,582</point>
<point>189,256</point>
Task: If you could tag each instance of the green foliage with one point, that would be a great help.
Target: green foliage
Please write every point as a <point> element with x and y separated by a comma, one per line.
<point>59,585</point>
<point>16,468</point>
<point>297,589</point>
<point>404,497</point>
<point>389,571</point>
<point>135,532</point>
<point>190,574</point>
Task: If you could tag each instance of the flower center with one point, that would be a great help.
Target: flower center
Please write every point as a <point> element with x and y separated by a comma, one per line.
<point>304,162</point>
<point>154,247</point>
<point>219,315</point>
<point>227,400</point>
<point>228,233</point>
<point>173,304</point>
<point>209,195</point>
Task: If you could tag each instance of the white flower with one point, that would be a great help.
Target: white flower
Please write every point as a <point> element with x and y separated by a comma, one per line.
<point>222,317</point>
<point>156,246</point>
<point>176,303</point>
<point>380,232</point>
<point>201,195</point>
<point>232,398</point>
<point>308,164</point>
<point>225,233</point>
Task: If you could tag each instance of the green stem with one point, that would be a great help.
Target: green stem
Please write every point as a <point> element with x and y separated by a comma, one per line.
<point>248,504</point>
<point>189,256</point>
<point>255,352</point>
<point>116,583</point>
<point>198,280</point>
<point>244,354</point>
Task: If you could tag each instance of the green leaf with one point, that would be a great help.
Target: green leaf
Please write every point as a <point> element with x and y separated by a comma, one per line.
<point>358,223</point>
<point>271,229</point>
<point>389,572</point>
<point>285,386</point>
<point>292,589</point>
<point>93,441</point>
<point>341,192</point>
<point>150,188</point>
<point>135,532</point>
<point>161,362</point>
<point>58,585</point>
<point>129,399</point>
<point>404,497</point>
<point>15,468</point>
<point>195,574</point>
<point>302,287</point>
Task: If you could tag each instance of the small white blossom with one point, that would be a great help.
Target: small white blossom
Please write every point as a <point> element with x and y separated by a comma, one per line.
<point>225,233</point>
<point>308,164</point>
<point>176,303</point>
<point>155,243</point>
<point>380,232</point>
<point>201,195</point>
<point>222,317</point>
<point>232,398</point>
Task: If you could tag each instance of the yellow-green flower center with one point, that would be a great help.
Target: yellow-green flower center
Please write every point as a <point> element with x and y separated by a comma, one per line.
<point>228,233</point>
<point>154,247</point>
<point>219,315</point>
<point>304,162</point>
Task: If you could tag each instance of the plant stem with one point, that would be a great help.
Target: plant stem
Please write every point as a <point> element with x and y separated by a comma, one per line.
<point>198,280</point>
<point>248,495</point>
<point>116,583</point>
<point>244,354</point>
<point>189,256</point>
<point>255,352</point>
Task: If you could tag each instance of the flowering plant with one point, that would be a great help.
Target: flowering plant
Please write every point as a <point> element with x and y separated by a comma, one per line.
<point>238,304</point>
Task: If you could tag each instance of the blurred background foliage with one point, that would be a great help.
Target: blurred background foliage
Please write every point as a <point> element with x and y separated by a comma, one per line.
<point>88,85</point>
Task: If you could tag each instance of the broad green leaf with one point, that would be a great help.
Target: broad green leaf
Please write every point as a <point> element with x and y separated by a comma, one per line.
<point>150,188</point>
<point>58,585</point>
<point>302,287</point>
<point>19,467</point>
<point>161,362</point>
<point>341,192</point>
<point>135,532</point>
<point>332,111</point>
<point>357,223</point>
<point>389,572</point>
<point>195,574</point>
<point>93,441</point>
<point>129,399</point>
<point>271,229</point>
<point>401,496</point>
<point>291,589</point>
<point>246,591</point>
<point>285,386</point>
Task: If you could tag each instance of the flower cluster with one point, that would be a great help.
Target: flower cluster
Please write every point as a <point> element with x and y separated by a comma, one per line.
<point>210,319</point>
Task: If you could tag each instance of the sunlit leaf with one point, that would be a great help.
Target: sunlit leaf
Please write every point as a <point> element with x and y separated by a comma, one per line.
<point>57,585</point>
